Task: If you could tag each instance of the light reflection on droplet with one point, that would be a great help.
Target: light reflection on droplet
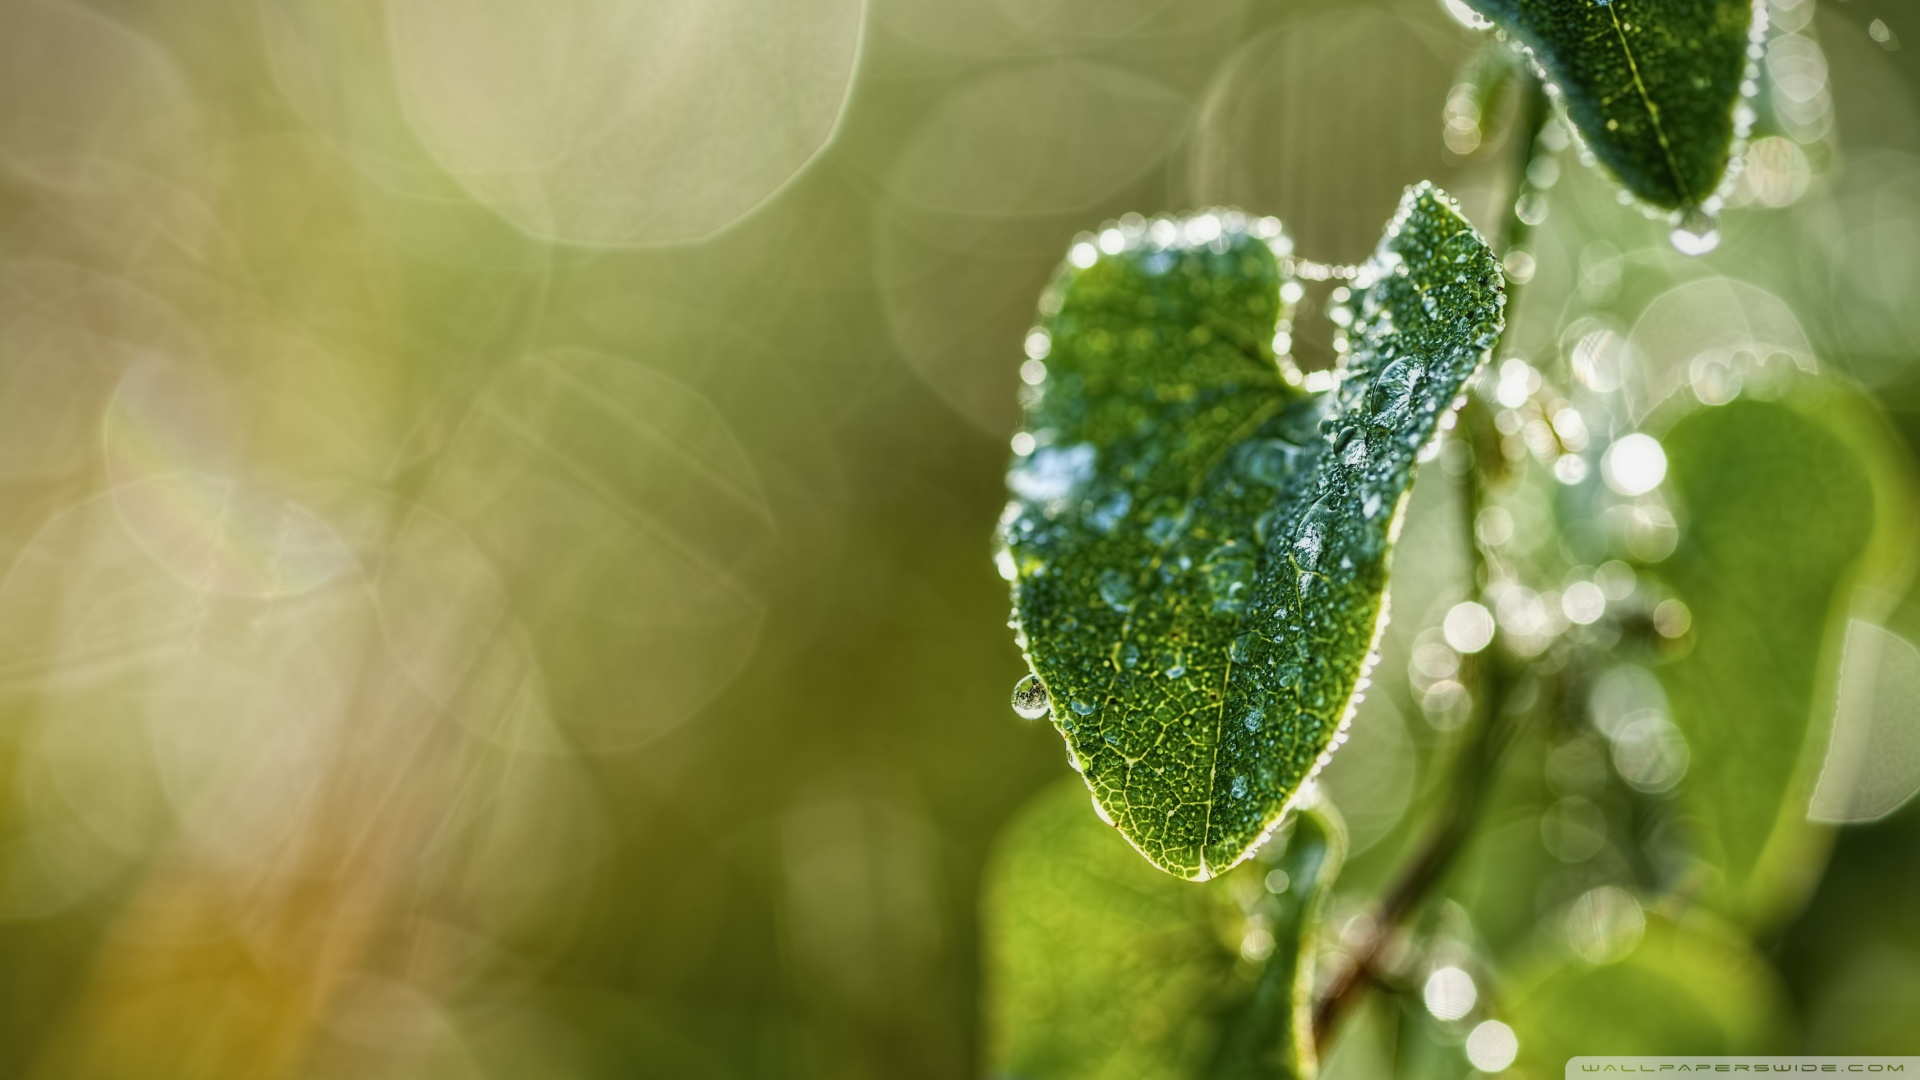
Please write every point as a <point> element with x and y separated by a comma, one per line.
<point>1649,753</point>
<point>1634,465</point>
<point>1696,233</point>
<point>1449,993</point>
<point>1583,603</point>
<point>1492,1046</point>
<point>1671,618</point>
<point>1605,924</point>
<point>1468,627</point>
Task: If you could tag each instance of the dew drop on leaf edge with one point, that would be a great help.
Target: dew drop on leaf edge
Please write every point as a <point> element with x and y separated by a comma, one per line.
<point>1030,698</point>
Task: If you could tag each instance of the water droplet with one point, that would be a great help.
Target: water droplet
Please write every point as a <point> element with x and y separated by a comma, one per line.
<point>1162,530</point>
<point>1696,233</point>
<point>1083,708</point>
<point>1356,454</point>
<point>1239,787</point>
<point>1230,580</point>
<point>1308,545</point>
<point>1251,721</point>
<point>1030,698</point>
<point>1392,392</point>
<point>1116,590</point>
<point>1273,462</point>
<point>1129,656</point>
<point>1176,669</point>
<point>1239,651</point>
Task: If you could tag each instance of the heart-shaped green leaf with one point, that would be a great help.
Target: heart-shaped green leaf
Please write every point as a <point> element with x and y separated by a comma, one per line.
<point>1199,552</point>
<point>1652,85</point>
<point>1780,510</point>
<point>1098,966</point>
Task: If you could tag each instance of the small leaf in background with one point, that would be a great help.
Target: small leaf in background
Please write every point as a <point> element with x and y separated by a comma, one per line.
<point>1099,966</point>
<point>1199,552</point>
<point>1779,510</point>
<point>1657,987</point>
<point>1651,84</point>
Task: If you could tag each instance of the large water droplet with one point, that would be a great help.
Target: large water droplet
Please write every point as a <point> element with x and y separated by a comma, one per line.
<point>1116,590</point>
<point>1272,462</point>
<point>1030,698</point>
<point>1696,233</point>
<point>1392,392</point>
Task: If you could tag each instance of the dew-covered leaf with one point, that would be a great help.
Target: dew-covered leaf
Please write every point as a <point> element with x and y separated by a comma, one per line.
<point>1779,510</point>
<point>1198,551</point>
<point>1651,84</point>
<point>1099,966</point>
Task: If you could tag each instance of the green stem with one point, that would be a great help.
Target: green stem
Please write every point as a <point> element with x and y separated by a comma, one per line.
<point>1491,675</point>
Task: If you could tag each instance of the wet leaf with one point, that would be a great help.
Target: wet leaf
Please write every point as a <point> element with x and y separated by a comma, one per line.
<point>1199,552</point>
<point>1779,510</point>
<point>1099,966</point>
<point>1684,988</point>
<point>1651,84</point>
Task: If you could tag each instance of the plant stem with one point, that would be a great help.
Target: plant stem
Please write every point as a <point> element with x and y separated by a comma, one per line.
<point>1491,674</point>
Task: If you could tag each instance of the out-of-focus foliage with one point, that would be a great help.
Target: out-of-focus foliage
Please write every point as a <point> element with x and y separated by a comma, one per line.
<point>1678,988</point>
<point>1651,84</point>
<point>430,647</point>
<point>1198,551</point>
<point>1779,511</point>
<point>1098,965</point>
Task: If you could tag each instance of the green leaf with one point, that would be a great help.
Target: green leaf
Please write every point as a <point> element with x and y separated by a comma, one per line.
<point>1651,84</point>
<point>1099,966</point>
<point>1779,510</point>
<point>1199,552</point>
<point>1684,988</point>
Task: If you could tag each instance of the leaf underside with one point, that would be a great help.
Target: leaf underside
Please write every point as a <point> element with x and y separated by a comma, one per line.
<point>1100,968</point>
<point>1199,551</point>
<point>1651,84</point>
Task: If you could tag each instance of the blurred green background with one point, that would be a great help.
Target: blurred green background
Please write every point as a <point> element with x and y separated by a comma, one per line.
<point>497,502</point>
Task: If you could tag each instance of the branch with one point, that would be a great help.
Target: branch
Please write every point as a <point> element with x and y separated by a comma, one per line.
<point>1492,677</point>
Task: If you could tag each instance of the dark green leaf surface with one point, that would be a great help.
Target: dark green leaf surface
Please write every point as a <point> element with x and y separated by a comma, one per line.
<point>1099,966</point>
<point>1651,84</point>
<point>1779,510</point>
<point>1199,553</point>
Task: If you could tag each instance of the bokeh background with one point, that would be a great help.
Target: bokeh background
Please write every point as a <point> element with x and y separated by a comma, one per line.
<point>496,499</point>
